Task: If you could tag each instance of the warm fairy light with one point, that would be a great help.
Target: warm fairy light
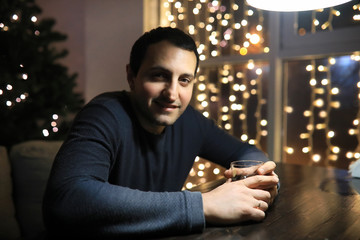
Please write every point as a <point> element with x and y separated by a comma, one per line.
<point>243,51</point>
<point>349,155</point>
<point>216,171</point>
<point>305,149</point>
<point>335,91</point>
<point>335,149</point>
<point>15,17</point>
<point>225,118</point>
<point>335,104</point>
<point>321,68</point>
<point>352,131</point>
<point>323,114</point>
<point>289,109</point>
<point>309,68</point>
<point>320,126</point>
<point>332,61</point>
<point>225,109</point>
<point>289,150</point>
<point>307,113</point>
<point>258,71</point>
<point>201,86</point>
<point>319,102</point>
<point>251,64</point>
<point>325,82</point>
<point>255,38</point>
<point>331,134</point>
<point>201,166</point>
<point>316,157</point>
<point>45,132</point>
<point>201,97</point>
<point>204,104</point>
<point>244,137</point>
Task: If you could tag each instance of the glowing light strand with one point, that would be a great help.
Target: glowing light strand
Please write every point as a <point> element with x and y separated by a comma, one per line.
<point>310,127</point>
<point>258,114</point>
<point>329,152</point>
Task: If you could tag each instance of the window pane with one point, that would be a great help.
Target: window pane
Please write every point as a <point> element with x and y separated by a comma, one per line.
<point>235,97</point>
<point>342,16</point>
<point>221,28</point>
<point>323,111</point>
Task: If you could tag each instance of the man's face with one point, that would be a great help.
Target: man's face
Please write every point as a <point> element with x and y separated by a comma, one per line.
<point>162,89</point>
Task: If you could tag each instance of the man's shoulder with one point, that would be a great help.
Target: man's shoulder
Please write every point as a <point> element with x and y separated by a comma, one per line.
<point>110,97</point>
<point>115,104</point>
<point>194,115</point>
<point>194,119</point>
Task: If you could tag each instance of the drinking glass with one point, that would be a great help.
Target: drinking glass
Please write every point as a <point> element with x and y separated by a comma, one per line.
<point>242,169</point>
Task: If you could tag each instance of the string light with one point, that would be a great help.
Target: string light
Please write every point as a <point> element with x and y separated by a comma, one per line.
<point>12,101</point>
<point>223,28</point>
<point>324,99</point>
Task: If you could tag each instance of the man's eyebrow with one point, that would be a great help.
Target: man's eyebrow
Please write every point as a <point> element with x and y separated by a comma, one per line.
<point>160,68</point>
<point>188,75</point>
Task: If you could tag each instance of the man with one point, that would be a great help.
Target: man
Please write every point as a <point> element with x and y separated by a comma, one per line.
<point>121,170</point>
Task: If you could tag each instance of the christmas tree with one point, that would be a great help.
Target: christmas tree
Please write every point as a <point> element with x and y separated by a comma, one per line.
<point>37,99</point>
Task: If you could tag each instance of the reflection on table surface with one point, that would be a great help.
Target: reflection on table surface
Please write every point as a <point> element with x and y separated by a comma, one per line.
<point>313,203</point>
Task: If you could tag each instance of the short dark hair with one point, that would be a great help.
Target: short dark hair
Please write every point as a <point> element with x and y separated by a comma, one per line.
<point>173,35</point>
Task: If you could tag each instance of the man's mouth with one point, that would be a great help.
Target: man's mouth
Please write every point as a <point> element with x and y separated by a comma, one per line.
<point>167,106</point>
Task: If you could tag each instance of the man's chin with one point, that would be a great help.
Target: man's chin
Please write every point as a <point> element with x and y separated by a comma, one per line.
<point>165,121</point>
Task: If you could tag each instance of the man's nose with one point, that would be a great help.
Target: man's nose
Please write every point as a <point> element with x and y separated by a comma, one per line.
<point>171,90</point>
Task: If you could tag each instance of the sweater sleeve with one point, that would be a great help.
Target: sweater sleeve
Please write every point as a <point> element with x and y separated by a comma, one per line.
<point>80,202</point>
<point>91,208</point>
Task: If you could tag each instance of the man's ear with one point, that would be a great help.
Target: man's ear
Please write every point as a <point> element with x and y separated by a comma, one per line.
<point>130,77</point>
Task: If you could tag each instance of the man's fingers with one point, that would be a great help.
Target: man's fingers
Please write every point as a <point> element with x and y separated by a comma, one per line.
<point>266,168</point>
<point>261,181</point>
<point>262,195</point>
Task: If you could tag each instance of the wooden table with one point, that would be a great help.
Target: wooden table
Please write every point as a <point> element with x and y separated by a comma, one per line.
<point>313,203</point>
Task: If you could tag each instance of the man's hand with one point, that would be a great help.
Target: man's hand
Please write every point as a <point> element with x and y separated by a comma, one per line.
<point>239,201</point>
<point>242,200</point>
<point>268,169</point>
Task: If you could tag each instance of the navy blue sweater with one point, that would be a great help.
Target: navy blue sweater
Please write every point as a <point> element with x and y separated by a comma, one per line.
<point>113,178</point>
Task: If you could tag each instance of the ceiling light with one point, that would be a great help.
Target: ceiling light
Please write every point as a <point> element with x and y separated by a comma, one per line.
<point>294,6</point>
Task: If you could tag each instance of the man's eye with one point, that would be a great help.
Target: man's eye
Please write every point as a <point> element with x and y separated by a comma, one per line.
<point>185,81</point>
<point>159,76</point>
